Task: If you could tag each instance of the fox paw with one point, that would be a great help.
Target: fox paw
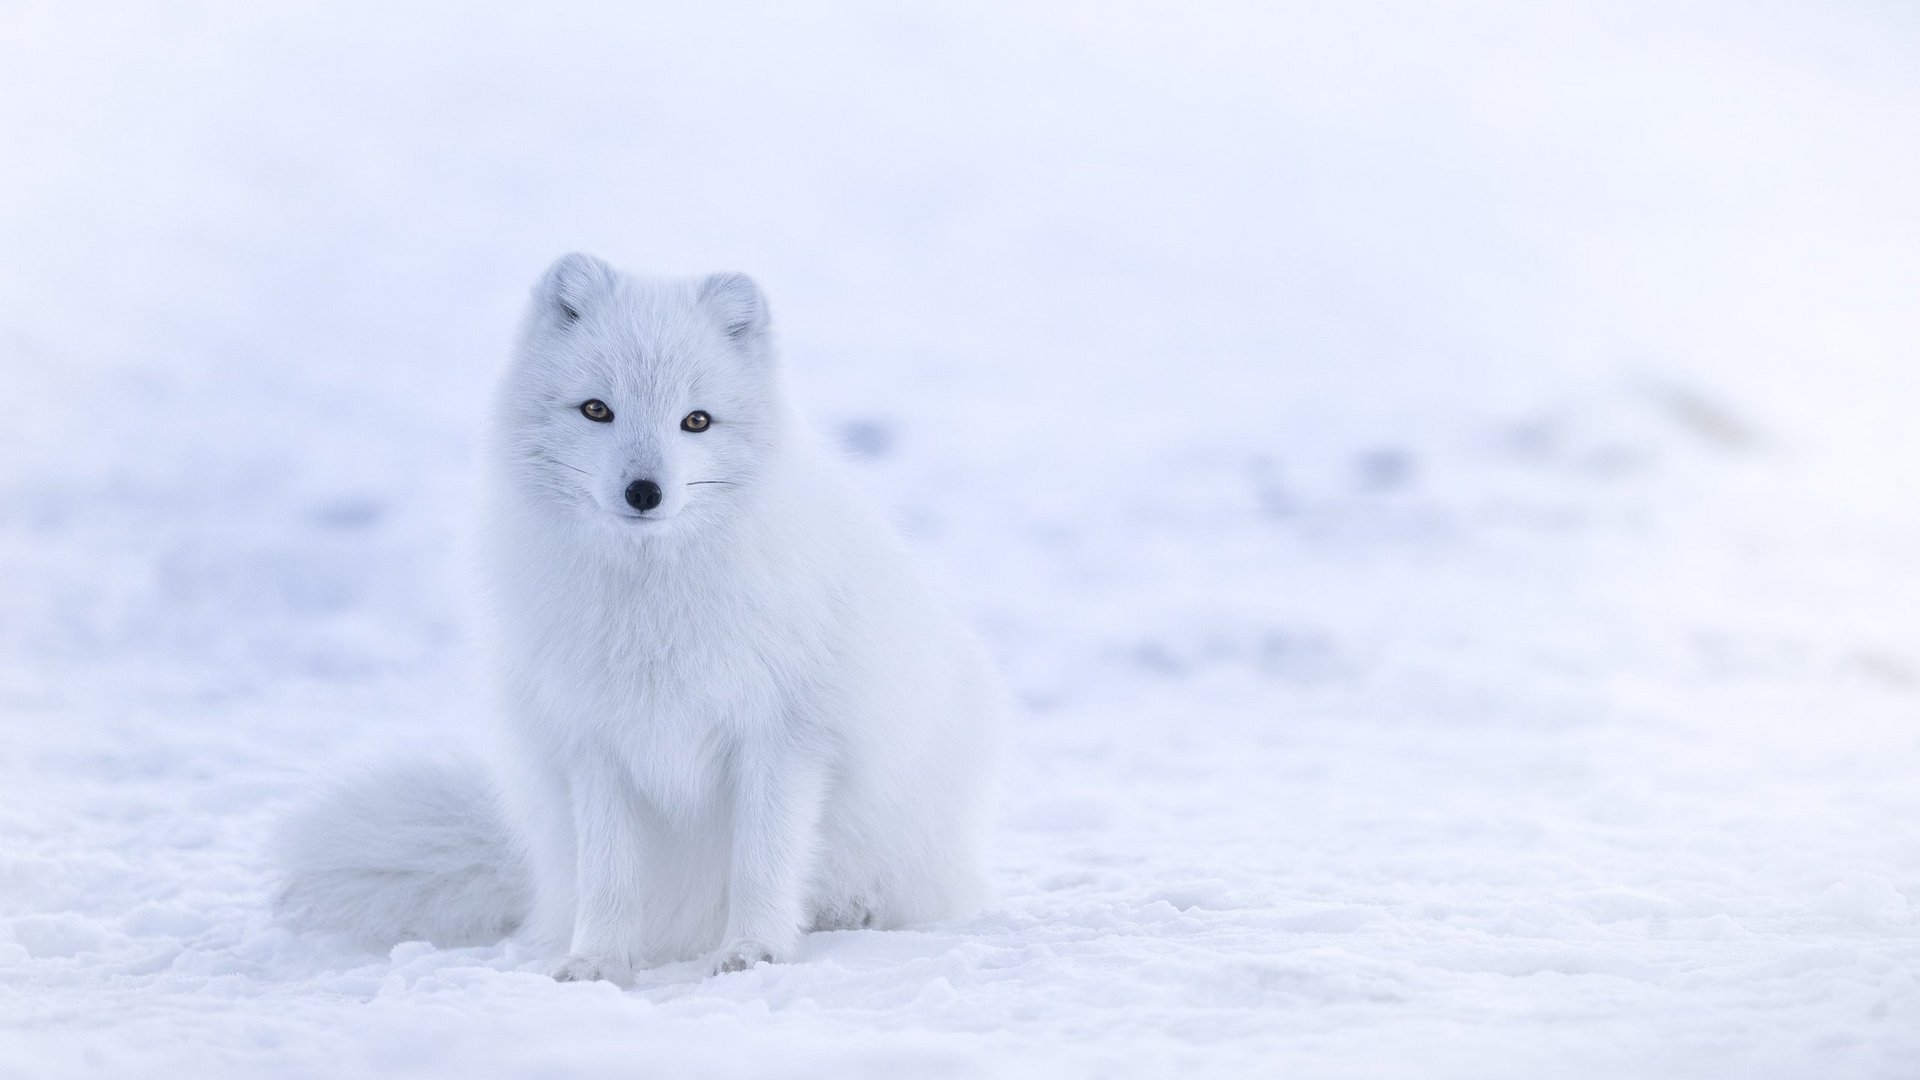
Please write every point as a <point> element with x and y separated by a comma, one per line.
<point>579,968</point>
<point>851,915</point>
<point>742,955</point>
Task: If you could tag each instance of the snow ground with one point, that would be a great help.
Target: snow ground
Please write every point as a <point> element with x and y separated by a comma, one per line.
<point>1439,481</point>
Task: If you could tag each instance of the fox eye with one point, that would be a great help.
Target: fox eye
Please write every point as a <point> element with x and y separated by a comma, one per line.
<point>596,410</point>
<point>697,420</point>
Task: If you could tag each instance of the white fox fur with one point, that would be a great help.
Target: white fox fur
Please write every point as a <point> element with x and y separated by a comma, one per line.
<point>729,718</point>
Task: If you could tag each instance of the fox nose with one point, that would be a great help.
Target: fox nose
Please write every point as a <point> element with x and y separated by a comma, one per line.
<point>643,495</point>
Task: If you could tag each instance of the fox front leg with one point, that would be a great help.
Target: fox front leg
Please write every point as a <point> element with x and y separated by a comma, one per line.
<point>777,800</point>
<point>608,869</point>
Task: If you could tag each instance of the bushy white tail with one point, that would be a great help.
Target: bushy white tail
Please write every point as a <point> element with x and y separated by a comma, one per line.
<point>410,852</point>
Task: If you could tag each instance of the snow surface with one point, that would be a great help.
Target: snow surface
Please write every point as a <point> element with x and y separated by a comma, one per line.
<point>1439,479</point>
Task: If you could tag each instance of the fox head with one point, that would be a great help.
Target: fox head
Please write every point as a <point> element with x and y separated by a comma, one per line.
<point>640,403</point>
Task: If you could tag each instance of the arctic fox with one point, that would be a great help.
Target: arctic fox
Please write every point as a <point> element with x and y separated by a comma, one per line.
<point>732,712</point>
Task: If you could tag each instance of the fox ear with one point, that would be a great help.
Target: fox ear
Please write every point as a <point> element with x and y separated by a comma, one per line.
<point>572,285</point>
<point>737,303</point>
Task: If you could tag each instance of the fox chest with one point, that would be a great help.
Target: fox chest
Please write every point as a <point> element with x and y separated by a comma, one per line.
<point>670,690</point>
